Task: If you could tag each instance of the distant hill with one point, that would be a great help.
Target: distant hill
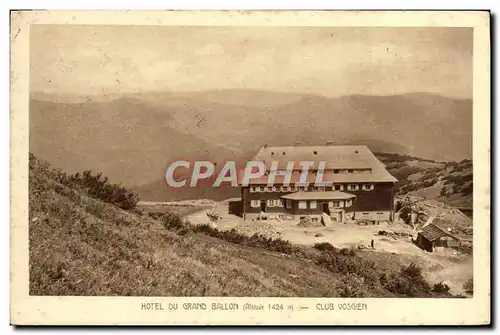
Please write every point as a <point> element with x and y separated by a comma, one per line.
<point>128,140</point>
<point>448,182</point>
<point>131,139</point>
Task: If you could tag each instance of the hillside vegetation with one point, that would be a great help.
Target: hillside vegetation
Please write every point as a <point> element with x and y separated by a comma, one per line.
<point>82,243</point>
<point>448,182</point>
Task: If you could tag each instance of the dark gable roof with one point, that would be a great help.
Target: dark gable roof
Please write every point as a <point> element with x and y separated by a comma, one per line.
<point>335,156</point>
<point>433,232</point>
<point>356,157</point>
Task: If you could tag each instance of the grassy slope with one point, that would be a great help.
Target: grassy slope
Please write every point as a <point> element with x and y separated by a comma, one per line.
<point>448,182</point>
<point>79,246</point>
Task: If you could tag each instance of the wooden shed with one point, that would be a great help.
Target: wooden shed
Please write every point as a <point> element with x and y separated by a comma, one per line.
<point>434,239</point>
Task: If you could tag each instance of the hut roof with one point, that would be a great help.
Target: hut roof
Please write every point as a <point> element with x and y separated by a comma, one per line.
<point>433,232</point>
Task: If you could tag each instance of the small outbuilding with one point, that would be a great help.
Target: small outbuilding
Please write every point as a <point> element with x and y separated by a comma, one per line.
<point>434,239</point>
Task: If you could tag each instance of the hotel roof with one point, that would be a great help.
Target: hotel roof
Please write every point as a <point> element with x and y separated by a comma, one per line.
<point>342,157</point>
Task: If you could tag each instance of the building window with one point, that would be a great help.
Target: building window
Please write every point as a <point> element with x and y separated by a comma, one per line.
<point>285,188</point>
<point>353,187</point>
<point>350,171</point>
<point>348,203</point>
<point>252,189</point>
<point>254,203</point>
<point>274,189</point>
<point>336,171</point>
<point>269,189</point>
<point>313,204</point>
<point>334,204</point>
<point>302,204</point>
<point>368,187</point>
<point>321,189</point>
<point>279,203</point>
<point>337,187</point>
<point>270,203</point>
<point>288,203</point>
<point>262,188</point>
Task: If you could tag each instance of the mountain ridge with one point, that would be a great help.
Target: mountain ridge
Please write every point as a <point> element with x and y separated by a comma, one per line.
<point>132,138</point>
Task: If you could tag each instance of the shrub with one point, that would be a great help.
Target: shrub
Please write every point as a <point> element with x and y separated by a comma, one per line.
<point>412,271</point>
<point>409,281</point>
<point>469,286</point>
<point>95,208</point>
<point>351,286</point>
<point>99,187</point>
<point>347,252</point>
<point>325,246</point>
<point>256,241</point>
<point>464,249</point>
<point>172,221</point>
<point>441,288</point>
<point>346,261</point>
<point>399,284</point>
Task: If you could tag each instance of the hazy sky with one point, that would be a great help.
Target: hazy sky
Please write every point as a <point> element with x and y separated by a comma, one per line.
<point>329,61</point>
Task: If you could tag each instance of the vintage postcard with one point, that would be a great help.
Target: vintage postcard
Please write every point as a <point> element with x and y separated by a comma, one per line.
<point>250,168</point>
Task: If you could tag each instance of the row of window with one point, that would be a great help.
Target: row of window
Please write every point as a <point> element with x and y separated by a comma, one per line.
<point>312,204</point>
<point>270,203</point>
<point>351,171</point>
<point>331,204</point>
<point>338,187</point>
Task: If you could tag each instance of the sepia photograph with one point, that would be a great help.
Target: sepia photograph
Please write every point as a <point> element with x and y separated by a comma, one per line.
<point>285,161</point>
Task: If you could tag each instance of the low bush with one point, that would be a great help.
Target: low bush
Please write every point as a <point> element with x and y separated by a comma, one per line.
<point>464,249</point>
<point>172,221</point>
<point>325,246</point>
<point>99,187</point>
<point>469,286</point>
<point>441,288</point>
<point>351,286</point>
<point>256,241</point>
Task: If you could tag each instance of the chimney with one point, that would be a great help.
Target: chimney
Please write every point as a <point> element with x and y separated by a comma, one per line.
<point>329,143</point>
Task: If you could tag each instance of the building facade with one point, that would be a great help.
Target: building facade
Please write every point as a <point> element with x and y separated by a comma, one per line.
<point>359,186</point>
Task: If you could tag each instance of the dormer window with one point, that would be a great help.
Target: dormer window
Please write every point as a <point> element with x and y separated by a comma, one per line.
<point>353,187</point>
<point>368,187</point>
